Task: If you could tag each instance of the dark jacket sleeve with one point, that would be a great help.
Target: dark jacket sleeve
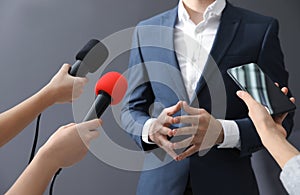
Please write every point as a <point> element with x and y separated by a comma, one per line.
<point>271,62</point>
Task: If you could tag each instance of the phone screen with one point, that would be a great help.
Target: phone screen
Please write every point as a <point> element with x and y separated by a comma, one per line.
<point>252,79</point>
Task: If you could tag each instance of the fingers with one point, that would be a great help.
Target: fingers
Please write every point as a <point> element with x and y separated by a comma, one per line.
<point>163,131</point>
<point>173,109</point>
<point>190,130</point>
<point>166,131</point>
<point>69,125</point>
<point>189,119</point>
<point>246,97</point>
<point>285,90</point>
<point>184,143</point>
<point>92,135</point>
<point>192,111</point>
<point>193,149</point>
<point>166,117</point>
<point>79,83</point>
<point>87,130</point>
<point>167,146</point>
<point>89,125</point>
<point>65,68</point>
<point>292,99</point>
<point>167,120</point>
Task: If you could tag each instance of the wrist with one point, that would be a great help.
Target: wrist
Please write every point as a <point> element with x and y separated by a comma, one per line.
<point>281,150</point>
<point>220,139</point>
<point>44,158</point>
<point>268,138</point>
<point>49,95</point>
<point>267,134</point>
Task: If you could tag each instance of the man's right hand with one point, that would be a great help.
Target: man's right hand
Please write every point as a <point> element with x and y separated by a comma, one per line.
<point>160,129</point>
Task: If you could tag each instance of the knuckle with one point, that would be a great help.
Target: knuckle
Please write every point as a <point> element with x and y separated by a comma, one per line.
<point>202,111</point>
<point>164,112</point>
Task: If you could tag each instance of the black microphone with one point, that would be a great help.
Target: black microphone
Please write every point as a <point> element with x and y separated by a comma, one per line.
<point>110,89</point>
<point>89,58</point>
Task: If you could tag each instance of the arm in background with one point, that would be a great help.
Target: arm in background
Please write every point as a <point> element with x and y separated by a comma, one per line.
<point>68,145</point>
<point>62,88</point>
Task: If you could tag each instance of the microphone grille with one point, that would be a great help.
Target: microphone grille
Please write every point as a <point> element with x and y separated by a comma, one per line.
<point>113,83</point>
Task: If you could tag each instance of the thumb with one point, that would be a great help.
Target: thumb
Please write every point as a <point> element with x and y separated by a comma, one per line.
<point>89,125</point>
<point>65,68</point>
<point>247,98</point>
<point>92,135</point>
<point>82,80</point>
<point>175,108</point>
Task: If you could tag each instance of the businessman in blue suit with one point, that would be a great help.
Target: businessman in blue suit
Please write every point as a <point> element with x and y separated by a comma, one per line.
<point>181,101</point>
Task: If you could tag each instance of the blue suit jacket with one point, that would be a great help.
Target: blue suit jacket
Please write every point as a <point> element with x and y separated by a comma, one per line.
<point>155,82</point>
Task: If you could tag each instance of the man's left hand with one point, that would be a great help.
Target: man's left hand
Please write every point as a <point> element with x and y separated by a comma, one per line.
<point>204,129</point>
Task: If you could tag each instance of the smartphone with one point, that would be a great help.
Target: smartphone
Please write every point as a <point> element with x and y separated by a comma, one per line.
<point>251,78</point>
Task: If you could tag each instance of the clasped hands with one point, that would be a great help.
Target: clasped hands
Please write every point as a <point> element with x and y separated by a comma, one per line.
<point>198,124</point>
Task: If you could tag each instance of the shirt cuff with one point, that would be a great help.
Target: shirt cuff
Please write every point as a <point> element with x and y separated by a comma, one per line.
<point>145,133</point>
<point>231,134</point>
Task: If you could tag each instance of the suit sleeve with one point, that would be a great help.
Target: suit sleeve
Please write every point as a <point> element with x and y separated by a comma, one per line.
<point>139,96</point>
<point>271,61</point>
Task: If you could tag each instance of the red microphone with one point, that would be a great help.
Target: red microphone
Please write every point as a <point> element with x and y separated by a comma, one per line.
<point>110,89</point>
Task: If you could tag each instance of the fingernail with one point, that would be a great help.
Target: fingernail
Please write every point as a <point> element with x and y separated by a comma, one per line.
<point>239,93</point>
<point>174,132</point>
<point>176,120</point>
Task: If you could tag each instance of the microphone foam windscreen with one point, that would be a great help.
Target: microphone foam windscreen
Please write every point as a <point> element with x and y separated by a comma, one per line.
<point>114,84</point>
<point>92,55</point>
<point>82,53</point>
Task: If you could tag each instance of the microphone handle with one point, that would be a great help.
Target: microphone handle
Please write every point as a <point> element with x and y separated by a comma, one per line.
<point>100,104</point>
<point>77,70</point>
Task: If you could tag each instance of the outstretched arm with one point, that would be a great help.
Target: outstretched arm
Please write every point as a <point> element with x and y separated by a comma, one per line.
<point>68,145</point>
<point>62,88</point>
<point>270,130</point>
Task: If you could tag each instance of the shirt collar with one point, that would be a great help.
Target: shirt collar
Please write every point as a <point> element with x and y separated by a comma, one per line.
<point>216,8</point>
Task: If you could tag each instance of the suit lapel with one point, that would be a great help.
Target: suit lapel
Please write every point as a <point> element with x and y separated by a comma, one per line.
<point>167,39</point>
<point>226,32</point>
<point>167,23</point>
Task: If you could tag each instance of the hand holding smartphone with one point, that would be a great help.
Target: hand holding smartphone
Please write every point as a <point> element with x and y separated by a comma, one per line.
<point>251,78</point>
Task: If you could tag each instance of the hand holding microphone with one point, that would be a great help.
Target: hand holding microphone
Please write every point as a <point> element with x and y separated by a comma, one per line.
<point>67,85</point>
<point>69,144</point>
<point>63,87</point>
<point>89,58</point>
<point>59,90</point>
<point>64,148</point>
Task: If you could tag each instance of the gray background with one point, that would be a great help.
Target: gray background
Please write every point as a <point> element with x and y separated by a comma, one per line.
<point>37,36</point>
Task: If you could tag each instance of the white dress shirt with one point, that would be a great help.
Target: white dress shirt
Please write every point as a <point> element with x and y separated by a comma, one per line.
<point>193,43</point>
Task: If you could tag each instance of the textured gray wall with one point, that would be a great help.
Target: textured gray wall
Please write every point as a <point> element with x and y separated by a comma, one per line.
<point>37,36</point>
